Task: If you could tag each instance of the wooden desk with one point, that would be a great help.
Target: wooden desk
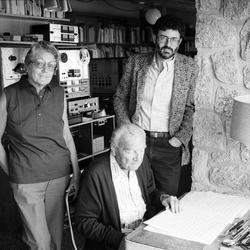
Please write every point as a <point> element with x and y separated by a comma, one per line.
<point>142,239</point>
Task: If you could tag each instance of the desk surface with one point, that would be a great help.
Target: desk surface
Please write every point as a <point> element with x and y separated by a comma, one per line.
<point>142,239</point>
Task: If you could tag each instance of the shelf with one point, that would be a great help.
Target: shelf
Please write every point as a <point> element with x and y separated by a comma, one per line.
<point>83,156</point>
<point>27,43</point>
<point>101,152</point>
<point>77,44</point>
<point>49,19</point>
<point>92,120</point>
<point>109,58</point>
<point>114,44</point>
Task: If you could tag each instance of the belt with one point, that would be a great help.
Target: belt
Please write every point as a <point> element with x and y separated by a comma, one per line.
<point>157,134</point>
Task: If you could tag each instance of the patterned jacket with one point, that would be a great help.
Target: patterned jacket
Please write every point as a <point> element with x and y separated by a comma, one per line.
<point>129,93</point>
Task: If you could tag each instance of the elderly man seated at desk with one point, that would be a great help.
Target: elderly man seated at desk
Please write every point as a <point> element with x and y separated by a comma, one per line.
<point>118,192</point>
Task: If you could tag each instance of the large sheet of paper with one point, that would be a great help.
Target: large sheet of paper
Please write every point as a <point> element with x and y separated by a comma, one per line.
<point>205,215</point>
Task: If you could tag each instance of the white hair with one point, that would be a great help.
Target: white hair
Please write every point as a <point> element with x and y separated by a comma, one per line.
<point>126,131</point>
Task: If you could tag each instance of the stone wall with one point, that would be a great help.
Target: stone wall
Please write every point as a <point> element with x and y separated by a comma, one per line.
<point>220,163</point>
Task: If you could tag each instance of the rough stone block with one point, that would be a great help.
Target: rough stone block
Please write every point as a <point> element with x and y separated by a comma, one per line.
<point>246,76</point>
<point>232,175</point>
<point>208,5</point>
<point>225,66</point>
<point>199,166</point>
<point>219,156</point>
<point>245,41</point>
<point>235,9</point>
<point>224,101</point>
<point>208,131</point>
<point>245,153</point>
<point>204,87</point>
<point>214,32</point>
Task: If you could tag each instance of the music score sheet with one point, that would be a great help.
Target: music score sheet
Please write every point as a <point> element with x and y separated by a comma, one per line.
<point>204,217</point>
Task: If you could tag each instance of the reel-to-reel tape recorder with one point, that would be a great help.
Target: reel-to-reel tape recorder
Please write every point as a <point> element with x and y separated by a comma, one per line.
<point>73,72</point>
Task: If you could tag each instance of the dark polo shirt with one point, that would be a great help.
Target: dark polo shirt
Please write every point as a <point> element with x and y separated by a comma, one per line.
<point>34,130</point>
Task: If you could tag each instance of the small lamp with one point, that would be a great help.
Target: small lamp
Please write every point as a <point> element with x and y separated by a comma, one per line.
<point>57,5</point>
<point>65,5</point>
<point>240,124</point>
<point>152,15</point>
<point>52,5</point>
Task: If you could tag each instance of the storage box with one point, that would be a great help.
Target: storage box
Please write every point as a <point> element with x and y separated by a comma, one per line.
<point>98,144</point>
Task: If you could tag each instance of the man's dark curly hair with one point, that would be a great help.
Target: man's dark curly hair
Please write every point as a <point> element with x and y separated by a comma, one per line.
<point>169,22</point>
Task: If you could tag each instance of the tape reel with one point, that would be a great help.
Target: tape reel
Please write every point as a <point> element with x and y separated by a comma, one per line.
<point>84,56</point>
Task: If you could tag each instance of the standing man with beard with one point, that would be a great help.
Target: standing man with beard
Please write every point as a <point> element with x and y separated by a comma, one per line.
<point>156,92</point>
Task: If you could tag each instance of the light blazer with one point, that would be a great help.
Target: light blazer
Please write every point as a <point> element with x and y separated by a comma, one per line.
<point>129,94</point>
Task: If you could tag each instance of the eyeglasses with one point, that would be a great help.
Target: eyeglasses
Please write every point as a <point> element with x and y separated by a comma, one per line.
<point>41,65</point>
<point>165,39</point>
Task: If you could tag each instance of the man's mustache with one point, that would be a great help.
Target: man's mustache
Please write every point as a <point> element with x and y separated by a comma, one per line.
<point>166,47</point>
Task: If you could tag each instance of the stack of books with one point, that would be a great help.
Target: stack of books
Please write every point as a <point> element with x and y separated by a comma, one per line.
<point>29,8</point>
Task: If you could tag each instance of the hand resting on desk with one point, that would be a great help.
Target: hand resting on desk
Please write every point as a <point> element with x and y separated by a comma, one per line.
<point>171,202</point>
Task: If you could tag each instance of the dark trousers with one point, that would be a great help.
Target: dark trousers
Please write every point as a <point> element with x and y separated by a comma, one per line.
<point>165,162</point>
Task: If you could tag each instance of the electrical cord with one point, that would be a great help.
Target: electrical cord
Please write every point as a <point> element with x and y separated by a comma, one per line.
<point>70,223</point>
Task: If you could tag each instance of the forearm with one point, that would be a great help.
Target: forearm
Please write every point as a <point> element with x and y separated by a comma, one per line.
<point>73,155</point>
<point>3,122</point>
<point>3,159</point>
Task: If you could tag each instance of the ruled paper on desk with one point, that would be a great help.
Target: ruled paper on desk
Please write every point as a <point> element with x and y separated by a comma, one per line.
<point>205,215</point>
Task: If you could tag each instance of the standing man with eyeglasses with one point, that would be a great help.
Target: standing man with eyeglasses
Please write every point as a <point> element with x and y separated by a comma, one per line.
<point>156,92</point>
<point>41,150</point>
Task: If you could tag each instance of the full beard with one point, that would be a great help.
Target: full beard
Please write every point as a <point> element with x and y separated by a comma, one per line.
<point>166,52</point>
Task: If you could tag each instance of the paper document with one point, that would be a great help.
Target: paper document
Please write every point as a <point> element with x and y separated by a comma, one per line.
<point>205,215</point>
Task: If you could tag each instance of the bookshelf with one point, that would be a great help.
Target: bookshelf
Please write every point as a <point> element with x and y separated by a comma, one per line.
<point>113,39</point>
<point>42,18</point>
<point>114,33</point>
<point>17,18</point>
<point>28,8</point>
<point>116,50</point>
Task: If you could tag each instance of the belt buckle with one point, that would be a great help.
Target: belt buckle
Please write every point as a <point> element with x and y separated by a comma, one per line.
<point>157,134</point>
<point>160,135</point>
<point>153,134</point>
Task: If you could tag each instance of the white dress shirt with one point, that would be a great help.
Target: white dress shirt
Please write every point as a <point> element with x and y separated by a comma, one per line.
<point>155,106</point>
<point>130,202</point>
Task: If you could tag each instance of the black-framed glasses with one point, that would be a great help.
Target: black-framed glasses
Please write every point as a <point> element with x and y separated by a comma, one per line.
<point>165,39</point>
<point>40,64</point>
